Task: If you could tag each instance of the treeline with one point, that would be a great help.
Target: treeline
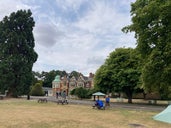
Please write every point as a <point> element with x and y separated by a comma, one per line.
<point>46,78</point>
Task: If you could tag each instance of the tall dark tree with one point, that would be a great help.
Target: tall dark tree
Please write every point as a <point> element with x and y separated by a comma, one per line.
<point>151,22</point>
<point>17,54</point>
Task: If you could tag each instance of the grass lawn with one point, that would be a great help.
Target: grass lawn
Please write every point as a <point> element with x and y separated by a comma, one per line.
<point>19,113</point>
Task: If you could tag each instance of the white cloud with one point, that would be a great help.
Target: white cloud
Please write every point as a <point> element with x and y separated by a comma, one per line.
<point>47,34</point>
<point>75,34</point>
<point>70,4</point>
<point>8,6</point>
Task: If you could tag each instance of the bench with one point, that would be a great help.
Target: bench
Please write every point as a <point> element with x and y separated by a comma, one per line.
<point>62,101</point>
<point>42,100</point>
<point>2,97</point>
<point>152,101</point>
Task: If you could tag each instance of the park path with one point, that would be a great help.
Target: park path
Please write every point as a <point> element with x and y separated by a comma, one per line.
<point>134,106</point>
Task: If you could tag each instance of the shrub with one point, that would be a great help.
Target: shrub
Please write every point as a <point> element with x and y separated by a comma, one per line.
<point>37,90</point>
<point>81,93</point>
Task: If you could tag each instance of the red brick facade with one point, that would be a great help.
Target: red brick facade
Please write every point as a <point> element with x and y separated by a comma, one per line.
<point>66,84</point>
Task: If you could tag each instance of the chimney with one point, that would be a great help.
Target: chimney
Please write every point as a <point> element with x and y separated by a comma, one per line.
<point>91,75</point>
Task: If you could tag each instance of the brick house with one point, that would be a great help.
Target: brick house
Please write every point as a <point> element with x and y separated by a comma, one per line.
<point>66,84</point>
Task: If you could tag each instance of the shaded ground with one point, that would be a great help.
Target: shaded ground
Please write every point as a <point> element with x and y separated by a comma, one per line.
<point>137,126</point>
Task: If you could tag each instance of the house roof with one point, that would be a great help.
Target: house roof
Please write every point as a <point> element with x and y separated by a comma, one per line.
<point>57,79</point>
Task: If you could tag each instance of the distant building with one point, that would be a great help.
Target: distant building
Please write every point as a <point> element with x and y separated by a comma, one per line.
<point>66,84</point>
<point>47,91</point>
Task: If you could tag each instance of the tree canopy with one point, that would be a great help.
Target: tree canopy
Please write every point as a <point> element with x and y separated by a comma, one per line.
<point>17,54</point>
<point>120,72</point>
<point>37,90</point>
<point>151,22</point>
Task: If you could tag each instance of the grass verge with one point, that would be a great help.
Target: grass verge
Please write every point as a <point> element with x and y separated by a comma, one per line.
<point>19,113</point>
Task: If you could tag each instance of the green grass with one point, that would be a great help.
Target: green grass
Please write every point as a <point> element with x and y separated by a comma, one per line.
<point>19,113</point>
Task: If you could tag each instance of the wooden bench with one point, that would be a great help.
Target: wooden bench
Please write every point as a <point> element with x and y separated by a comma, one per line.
<point>62,101</point>
<point>42,100</point>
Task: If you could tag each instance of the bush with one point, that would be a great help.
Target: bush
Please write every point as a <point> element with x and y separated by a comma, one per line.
<point>37,90</point>
<point>72,92</point>
<point>81,93</point>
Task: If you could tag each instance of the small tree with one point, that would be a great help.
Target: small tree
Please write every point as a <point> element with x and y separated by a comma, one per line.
<point>72,92</point>
<point>37,90</point>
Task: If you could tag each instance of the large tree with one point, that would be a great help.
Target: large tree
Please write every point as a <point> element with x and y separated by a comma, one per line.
<point>121,72</point>
<point>17,54</point>
<point>151,22</point>
<point>103,79</point>
<point>125,65</point>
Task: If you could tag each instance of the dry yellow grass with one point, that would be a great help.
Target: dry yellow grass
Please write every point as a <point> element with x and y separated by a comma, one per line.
<point>18,113</point>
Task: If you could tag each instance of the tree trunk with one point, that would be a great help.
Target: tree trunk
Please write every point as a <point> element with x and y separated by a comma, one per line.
<point>128,92</point>
<point>28,97</point>
<point>130,100</point>
<point>10,93</point>
<point>144,95</point>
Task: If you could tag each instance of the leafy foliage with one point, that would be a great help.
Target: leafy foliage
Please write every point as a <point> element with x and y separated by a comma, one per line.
<point>151,22</point>
<point>103,79</point>
<point>37,90</point>
<point>75,74</point>
<point>81,92</point>
<point>48,77</point>
<point>121,72</point>
<point>17,53</point>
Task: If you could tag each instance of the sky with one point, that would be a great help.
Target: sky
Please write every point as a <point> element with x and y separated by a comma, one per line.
<point>75,35</point>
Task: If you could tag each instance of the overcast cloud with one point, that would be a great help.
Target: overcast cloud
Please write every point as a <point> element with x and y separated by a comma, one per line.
<point>75,35</point>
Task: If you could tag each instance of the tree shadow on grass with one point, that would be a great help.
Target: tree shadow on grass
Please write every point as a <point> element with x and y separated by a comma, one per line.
<point>137,126</point>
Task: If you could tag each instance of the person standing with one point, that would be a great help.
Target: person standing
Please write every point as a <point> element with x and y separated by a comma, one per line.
<point>107,101</point>
<point>56,95</point>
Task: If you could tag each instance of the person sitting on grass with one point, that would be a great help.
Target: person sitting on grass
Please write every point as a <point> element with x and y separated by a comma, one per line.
<point>99,104</point>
